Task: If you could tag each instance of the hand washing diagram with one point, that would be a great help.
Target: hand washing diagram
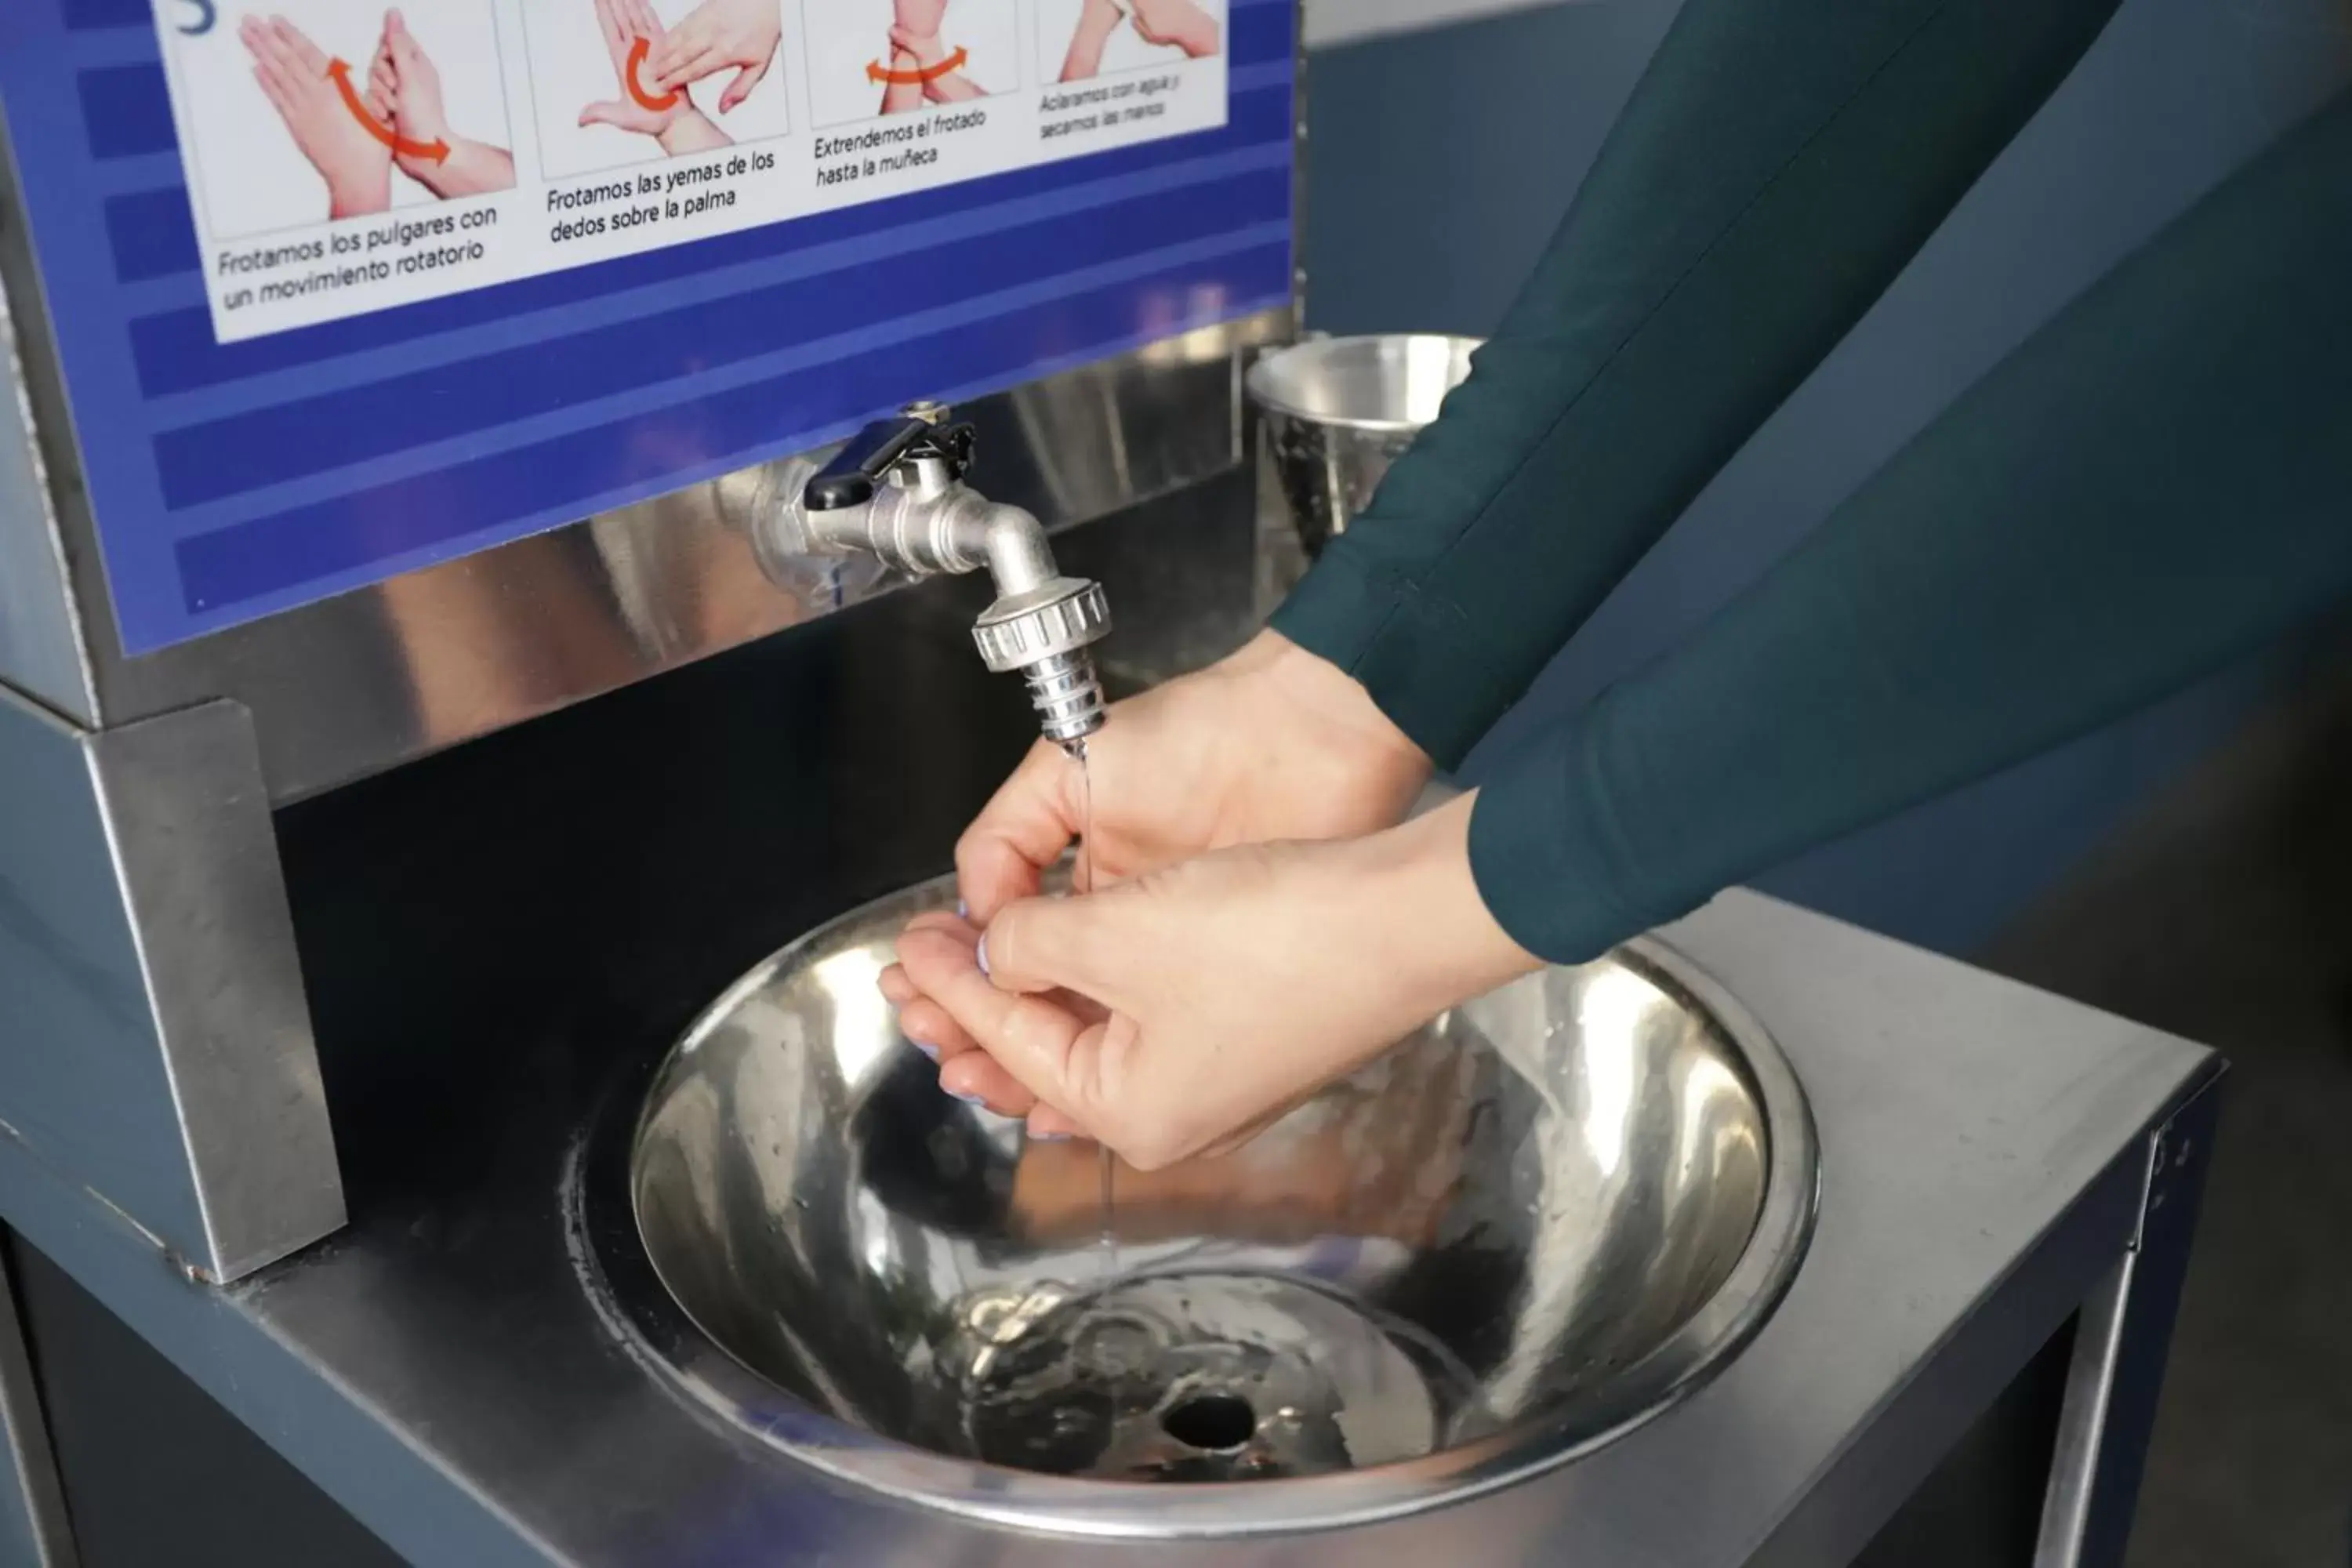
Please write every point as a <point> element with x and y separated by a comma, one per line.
<point>334,109</point>
<point>1079,39</point>
<point>629,82</point>
<point>351,155</point>
<point>870,57</point>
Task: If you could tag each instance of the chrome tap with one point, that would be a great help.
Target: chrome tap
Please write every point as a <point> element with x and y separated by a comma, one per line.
<point>896,493</point>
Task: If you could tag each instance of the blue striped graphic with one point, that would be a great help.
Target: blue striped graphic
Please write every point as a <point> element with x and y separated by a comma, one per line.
<point>126,110</point>
<point>232,480</point>
<point>80,15</point>
<point>311,542</point>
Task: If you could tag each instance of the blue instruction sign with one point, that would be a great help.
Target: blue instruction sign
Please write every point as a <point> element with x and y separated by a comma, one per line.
<point>344,288</point>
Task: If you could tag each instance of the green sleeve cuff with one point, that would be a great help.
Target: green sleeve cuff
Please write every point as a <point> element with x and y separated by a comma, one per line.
<point>1413,653</point>
<point>1540,855</point>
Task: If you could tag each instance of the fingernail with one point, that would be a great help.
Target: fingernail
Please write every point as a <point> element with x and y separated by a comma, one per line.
<point>1049,1137</point>
<point>925,1046</point>
<point>968,1098</point>
<point>963,911</point>
<point>980,953</point>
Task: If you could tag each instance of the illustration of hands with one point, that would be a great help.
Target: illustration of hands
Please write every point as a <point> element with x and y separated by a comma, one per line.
<point>921,67</point>
<point>927,57</point>
<point>341,133</point>
<point>740,36</point>
<point>403,80</point>
<point>633,34</point>
<point>1180,23</point>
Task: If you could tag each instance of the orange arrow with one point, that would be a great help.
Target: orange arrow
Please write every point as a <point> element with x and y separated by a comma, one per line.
<point>434,152</point>
<point>876,72</point>
<point>638,53</point>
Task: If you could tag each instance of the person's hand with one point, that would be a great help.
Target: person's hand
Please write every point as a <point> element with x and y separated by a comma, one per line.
<point>921,18</point>
<point>1098,20</point>
<point>1220,993</point>
<point>632,34</point>
<point>352,158</point>
<point>719,35</point>
<point>1270,743</point>
<point>1178,22</point>
<point>404,80</point>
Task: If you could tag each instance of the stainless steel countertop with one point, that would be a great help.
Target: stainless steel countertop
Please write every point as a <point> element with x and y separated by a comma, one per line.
<point>437,1369</point>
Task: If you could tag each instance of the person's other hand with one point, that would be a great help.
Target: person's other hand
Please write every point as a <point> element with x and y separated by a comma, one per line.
<point>920,17</point>
<point>1178,22</point>
<point>1224,990</point>
<point>1098,20</point>
<point>404,81</point>
<point>294,73</point>
<point>407,81</point>
<point>642,107</point>
<point>1271,743</point>
<point>719,35</point>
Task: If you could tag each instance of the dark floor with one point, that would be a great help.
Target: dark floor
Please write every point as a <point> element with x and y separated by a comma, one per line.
<point>2225,915</point>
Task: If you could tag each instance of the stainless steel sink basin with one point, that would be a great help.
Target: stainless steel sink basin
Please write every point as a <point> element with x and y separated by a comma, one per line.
<point>1540,1221</point>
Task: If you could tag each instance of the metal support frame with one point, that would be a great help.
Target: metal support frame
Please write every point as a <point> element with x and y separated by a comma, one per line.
<point>158,1046</point>
<point>2120,1347</point>
<point>34,1528</point>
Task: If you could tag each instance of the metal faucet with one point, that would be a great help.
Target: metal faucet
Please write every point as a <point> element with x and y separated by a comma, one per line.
<point>896,491</point>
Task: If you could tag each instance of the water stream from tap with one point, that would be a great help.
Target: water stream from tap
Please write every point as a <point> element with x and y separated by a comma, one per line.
<point>1082,882</point>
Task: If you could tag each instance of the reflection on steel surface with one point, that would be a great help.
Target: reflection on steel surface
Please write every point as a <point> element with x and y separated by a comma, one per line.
<point>373,678</point>
<point>1539,1221</point>
<point>1338,411</point>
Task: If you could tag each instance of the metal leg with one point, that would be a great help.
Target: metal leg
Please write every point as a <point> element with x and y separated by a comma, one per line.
<point>2120,1346</point>
<point>34,1529</point>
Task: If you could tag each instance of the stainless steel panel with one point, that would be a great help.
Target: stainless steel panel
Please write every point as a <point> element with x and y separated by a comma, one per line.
<point>40,635</point>
<point>373,678</point>
<point>158,1048</point>
<point>2121,1345</point>
<point>35,1531</point>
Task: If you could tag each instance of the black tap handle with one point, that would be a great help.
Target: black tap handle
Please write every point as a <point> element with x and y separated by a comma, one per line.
<point>849,479</point>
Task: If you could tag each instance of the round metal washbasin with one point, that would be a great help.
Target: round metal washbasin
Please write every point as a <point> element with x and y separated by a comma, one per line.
<point>1537,1221</point>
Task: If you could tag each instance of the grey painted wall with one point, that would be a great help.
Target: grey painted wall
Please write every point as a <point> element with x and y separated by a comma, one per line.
<point>1441,161</point>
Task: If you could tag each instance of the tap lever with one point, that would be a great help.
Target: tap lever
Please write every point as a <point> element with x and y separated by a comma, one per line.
<point>917,432</point>
<point>849,479</point>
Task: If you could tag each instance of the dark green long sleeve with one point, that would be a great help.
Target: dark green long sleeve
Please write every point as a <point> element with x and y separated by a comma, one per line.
<point>1778,164</point>
<point>2160,479</point>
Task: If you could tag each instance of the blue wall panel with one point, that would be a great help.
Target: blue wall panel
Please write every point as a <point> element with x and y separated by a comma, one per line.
<point>229,480</point>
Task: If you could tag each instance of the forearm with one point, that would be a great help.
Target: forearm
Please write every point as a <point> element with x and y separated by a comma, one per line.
<point>1198,37</point>
<point>2152,484</point>
<point>692,131</point>
<point>1085,58</point>
<point>356,195</point>
<point>1776,167</point>
<point>471,169</point>
<point>904,90</point>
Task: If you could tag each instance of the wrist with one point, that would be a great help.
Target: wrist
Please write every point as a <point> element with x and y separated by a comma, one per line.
<point>353,198</point>
<point>1428,926</point>
<point>1314,686</point>
<point>434,176</point>
<point>689,130</point>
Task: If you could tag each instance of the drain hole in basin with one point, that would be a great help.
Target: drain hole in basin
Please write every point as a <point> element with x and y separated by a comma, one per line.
<point>1211,1421</point>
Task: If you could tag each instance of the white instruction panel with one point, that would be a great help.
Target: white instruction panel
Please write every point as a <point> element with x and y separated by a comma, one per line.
<point>344,157</point>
